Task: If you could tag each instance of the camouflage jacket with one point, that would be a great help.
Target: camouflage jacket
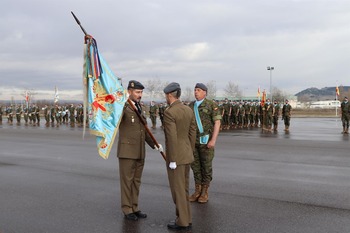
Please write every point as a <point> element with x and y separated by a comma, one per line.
<point>209,113</point>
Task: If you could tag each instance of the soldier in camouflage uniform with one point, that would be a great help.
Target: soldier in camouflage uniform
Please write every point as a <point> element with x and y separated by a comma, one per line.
<point>234,109</point>
<point>153,114</point>
<point>31,114</point>
<point>37,113</point>
<point>9,114</point>
<point>345,110</point>
<point>52,114</point>
<point>219,103</point>
<point>58,116</point>
<point>269,115</point>
<point>276,115</point>
<point>258,112</point>
<point>0,114</point>
<point>18,114</point>
<point>72,114</point>
<point>226,114</point>
<point>246,114</point>
<point>252,114</point>
<point>25,115</point>
<point>286,114</point>
<point>161,113</point>
<point>241,115</point>
<point>209,117</point>
<point>47,114</point>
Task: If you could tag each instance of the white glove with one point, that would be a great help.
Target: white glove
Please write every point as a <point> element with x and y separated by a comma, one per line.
<point>172,165</point>
<point>160,148</point>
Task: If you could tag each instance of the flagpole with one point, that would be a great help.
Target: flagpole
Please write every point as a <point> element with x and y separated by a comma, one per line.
<point>146,127</point>
<point>336,105</point>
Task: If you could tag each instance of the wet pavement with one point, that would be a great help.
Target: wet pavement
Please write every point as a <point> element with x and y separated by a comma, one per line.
<point>52,180</point>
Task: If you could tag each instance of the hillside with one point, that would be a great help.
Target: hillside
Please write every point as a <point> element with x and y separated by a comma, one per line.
<point>326,93</point>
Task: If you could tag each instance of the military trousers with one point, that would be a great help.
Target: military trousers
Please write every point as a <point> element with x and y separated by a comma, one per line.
<point>153,120</point>
<point>202,165</point>
<point>179,187</point>
<point>287,120</point>
<point>345,120</point>
<point>130,172</point>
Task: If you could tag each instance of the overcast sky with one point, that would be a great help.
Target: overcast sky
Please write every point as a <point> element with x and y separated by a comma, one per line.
<point>187,41</point>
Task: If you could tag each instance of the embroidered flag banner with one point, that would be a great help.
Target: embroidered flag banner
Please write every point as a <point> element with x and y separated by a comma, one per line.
<point>263,99</point>
<point>104,97</point>
<point>337,91</point>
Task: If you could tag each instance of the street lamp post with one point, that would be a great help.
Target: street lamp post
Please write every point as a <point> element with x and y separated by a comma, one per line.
<point>270,68</point>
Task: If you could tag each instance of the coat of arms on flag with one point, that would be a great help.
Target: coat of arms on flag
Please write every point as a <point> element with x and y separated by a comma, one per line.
<point>105,97</point>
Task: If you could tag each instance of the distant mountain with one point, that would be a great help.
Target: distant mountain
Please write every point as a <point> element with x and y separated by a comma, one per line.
<point>326,93</point>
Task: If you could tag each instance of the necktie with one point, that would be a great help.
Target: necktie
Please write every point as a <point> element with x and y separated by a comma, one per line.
<point>138,107</point>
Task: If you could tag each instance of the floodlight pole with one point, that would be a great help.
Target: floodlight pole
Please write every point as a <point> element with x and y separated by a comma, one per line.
<point>270,68</point>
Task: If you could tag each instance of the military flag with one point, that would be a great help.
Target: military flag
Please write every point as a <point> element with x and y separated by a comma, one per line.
<point>337,91</point>
<point>56,98</point>
<point>263,99</point>
<point>258,94</point>
<point>26,97</point>
<point>104,97</point>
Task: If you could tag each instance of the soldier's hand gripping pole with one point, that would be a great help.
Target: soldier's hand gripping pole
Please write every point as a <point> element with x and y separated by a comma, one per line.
<point>146,127</point>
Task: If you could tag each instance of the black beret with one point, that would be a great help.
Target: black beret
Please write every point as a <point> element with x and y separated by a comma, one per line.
<point>201,86</point>
<point>135,85</point>
<point>171,88</point>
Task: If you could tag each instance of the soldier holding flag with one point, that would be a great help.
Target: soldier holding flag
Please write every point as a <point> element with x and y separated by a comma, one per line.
<point>131,153</point>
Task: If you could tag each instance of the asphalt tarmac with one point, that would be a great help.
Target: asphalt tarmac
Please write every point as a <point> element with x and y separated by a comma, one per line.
<point>52,180</point>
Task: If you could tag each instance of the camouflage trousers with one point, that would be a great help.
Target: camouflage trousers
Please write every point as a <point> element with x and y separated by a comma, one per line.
<point>153,119</point>
<point>345,120</point>
<point>202,165</point>
<point>287,120</point>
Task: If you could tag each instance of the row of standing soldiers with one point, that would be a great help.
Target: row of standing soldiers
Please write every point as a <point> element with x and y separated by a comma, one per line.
<point>236,114</point>
<point>32,114</point>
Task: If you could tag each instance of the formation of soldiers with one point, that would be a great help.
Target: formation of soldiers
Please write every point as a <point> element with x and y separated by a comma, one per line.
<point>54,114</point>
<point>252,114</point>
<point>235,114</point>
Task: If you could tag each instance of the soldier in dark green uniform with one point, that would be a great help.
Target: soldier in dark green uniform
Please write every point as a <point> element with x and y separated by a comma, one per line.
<point>276,115</point>
<point>286,114</point>
<point>208,126</point>
<point>345,110</point>
<point>153,114</point>
<point>161,113</point>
